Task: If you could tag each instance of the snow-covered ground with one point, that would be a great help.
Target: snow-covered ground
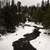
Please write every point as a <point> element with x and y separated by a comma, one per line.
<point>41,43</point>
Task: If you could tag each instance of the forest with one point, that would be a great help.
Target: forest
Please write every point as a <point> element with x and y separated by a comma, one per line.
<point>14,14</point>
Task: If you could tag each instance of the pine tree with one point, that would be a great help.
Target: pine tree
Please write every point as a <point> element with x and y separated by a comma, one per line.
<point>47,5</point>
<point>42,3</point>
<point>12,3</point>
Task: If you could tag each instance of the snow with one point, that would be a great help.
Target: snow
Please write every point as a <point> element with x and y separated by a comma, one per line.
<point>40,43</point>
<point>33,24</point>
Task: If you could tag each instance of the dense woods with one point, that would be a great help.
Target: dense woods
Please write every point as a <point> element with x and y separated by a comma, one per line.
<point>14,14</point>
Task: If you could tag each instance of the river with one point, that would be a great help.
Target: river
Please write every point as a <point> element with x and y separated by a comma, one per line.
<point>40,43</point>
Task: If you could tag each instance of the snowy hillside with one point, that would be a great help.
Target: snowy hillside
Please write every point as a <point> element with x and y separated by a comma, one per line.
<point>41,43</point>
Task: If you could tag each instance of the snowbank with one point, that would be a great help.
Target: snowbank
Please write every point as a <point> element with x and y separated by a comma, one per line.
<point>41,43</point>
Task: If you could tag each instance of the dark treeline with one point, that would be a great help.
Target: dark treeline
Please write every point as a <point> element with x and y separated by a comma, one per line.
<point>12,15</point>
<point>41,14</point>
